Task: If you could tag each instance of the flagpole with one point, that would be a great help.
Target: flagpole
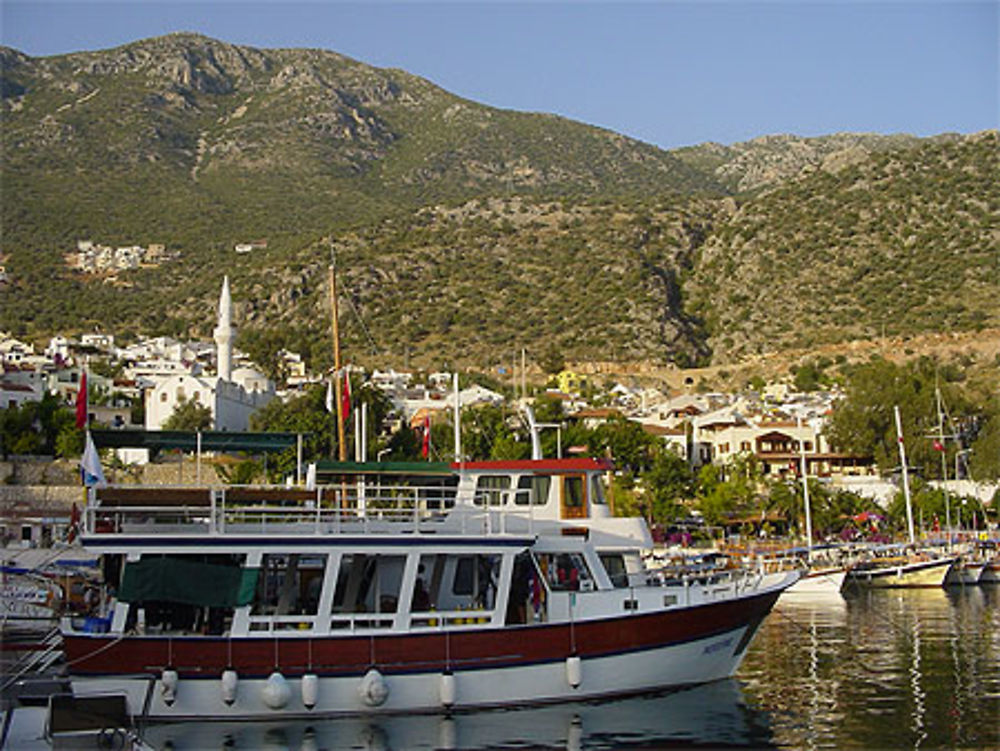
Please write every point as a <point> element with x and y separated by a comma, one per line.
<point>341,443</point>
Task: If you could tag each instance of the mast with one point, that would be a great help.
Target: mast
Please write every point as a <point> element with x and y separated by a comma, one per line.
<point>944,463</point>
<point>805,495</point>
<point>906,478</point>
<point>341,443</point>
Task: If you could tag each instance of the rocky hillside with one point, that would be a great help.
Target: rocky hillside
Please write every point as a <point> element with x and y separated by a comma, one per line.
<point>463,232</point>
<point>768,161</point>
<point>897,243</point>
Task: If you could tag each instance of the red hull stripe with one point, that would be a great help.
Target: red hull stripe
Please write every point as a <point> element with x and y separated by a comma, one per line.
<point>207,657</point>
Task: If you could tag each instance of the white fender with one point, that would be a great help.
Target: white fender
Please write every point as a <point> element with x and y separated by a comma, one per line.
<point>373,689</point>
<point>447,689</point>
<point>229,682</point>
<point>276,691</point>
<point>168,686</point>
<point>574,670</point>
<point>310,690</point>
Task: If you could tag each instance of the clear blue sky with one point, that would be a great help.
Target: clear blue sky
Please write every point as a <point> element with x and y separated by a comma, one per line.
<point>670,73</point>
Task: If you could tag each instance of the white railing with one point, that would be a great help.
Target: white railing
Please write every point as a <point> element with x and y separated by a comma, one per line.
<point>347,509</point>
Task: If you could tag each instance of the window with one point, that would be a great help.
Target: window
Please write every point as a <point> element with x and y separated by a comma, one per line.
<point>368,583</point>
<point>474,583</point>
<point>614,564</point>
<point>491,490</point>
<point>163,396</point>
<point>289,584</point>
<point>565,571</point>
<point>533,489</point>
<point>597,490</point>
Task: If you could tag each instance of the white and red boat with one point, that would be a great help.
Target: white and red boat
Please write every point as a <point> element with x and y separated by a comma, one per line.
<point>393,590</point>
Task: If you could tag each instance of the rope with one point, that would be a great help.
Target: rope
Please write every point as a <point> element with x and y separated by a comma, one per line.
<point>97,651</point>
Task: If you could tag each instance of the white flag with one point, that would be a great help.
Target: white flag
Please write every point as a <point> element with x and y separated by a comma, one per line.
<point>311,476</point>
<point>329,396</point>
<point>90,466</point>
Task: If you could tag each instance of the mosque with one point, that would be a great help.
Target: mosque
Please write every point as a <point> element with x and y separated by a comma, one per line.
<point>232,395</point>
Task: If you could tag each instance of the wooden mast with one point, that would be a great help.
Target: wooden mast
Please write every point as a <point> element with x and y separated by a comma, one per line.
<point>341,442</point>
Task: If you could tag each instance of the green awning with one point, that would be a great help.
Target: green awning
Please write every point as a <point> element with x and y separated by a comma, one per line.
<point>171,579</point>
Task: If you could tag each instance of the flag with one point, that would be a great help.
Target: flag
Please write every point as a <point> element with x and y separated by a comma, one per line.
<point>81,403</point>
<point>345,397</point>
<point>74,524</point>
<point>329,395</point>
<point>938,446</point>
<point>311,476</point>
<point>427,436</point>
<point>90,466</point>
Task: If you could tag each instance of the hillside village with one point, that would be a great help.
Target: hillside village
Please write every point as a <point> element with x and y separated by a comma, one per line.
<point>778,426</point>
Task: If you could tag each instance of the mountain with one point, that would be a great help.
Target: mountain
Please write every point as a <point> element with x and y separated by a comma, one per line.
<point>462,232</point>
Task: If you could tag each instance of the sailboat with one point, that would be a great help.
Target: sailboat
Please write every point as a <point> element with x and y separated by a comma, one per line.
<point>822,575</point>
<point>902,565</point>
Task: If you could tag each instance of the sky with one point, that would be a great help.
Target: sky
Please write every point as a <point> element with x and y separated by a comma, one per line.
<point>668,73</point>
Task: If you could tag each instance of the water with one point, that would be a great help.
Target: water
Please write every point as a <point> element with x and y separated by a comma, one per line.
<point>883,669</point>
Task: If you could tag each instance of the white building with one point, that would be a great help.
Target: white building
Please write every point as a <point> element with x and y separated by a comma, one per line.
<point>231,395</point>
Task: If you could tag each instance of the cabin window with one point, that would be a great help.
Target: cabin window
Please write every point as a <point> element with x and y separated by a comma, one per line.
<point>474,583</point>
<point>492,490</point>
<point>368,583</point>
<point>532,489</point>
<point>289,584</point>
<point>597,490</point>
<point>614,564</point>
<point>565,571</point>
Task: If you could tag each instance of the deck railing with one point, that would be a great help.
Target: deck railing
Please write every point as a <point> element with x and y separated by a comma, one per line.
<point>346,509</point>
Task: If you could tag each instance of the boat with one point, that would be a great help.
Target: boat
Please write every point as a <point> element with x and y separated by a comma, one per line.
<point>967,570</point>
<point>497,584</point>
<point>901,566</point>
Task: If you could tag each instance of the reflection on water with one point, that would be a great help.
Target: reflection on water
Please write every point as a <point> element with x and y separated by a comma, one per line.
<point>712,715</point>
<point>879,669</point>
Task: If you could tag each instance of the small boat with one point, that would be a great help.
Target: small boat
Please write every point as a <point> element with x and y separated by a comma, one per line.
<point>965,571</point>
<point>898,566</point>
<point>498,584</point>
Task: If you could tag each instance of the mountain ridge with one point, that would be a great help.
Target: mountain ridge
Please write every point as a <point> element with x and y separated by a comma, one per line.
<point>201,145</point>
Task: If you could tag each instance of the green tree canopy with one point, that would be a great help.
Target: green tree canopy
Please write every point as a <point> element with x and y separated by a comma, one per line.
<point>863,422</point>
<point>189,414</point>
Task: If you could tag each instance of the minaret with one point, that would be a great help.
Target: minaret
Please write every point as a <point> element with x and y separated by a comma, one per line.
<point>224,333</point>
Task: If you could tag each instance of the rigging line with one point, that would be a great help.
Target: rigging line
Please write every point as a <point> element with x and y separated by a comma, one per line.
<point>364,328</point>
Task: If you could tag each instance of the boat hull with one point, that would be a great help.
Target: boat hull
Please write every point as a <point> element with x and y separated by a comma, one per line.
<point>964,573</point>
<point>819,582</point>
<point>431,672</point>
<point>916,574</point>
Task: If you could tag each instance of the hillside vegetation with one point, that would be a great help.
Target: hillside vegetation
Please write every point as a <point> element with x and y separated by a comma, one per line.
<point>464,232</point>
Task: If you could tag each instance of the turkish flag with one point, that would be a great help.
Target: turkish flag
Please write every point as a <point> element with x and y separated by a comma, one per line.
<point>427,436</point>
<point>81,403</point>
<point>938,446</point>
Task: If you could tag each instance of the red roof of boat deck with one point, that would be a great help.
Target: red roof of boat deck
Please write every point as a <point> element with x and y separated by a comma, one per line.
<point>530,465</point>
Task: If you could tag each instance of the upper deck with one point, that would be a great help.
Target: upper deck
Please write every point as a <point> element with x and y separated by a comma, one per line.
<point>474,499</point>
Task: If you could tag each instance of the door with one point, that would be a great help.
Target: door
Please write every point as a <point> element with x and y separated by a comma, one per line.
<point>573,499</point>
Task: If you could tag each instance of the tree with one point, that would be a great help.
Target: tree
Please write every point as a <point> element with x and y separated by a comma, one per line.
<point>630,446</point>
<point>189,415</point>
<point>984,461</point>
<point>863,422</point>
<point>730,490</point>
<point>667,482</point>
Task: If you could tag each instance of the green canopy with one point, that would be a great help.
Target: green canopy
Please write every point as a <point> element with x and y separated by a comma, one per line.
<point>167,579</point>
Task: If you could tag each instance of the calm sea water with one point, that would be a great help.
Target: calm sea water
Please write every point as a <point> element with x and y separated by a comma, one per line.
<point>873,670</point>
